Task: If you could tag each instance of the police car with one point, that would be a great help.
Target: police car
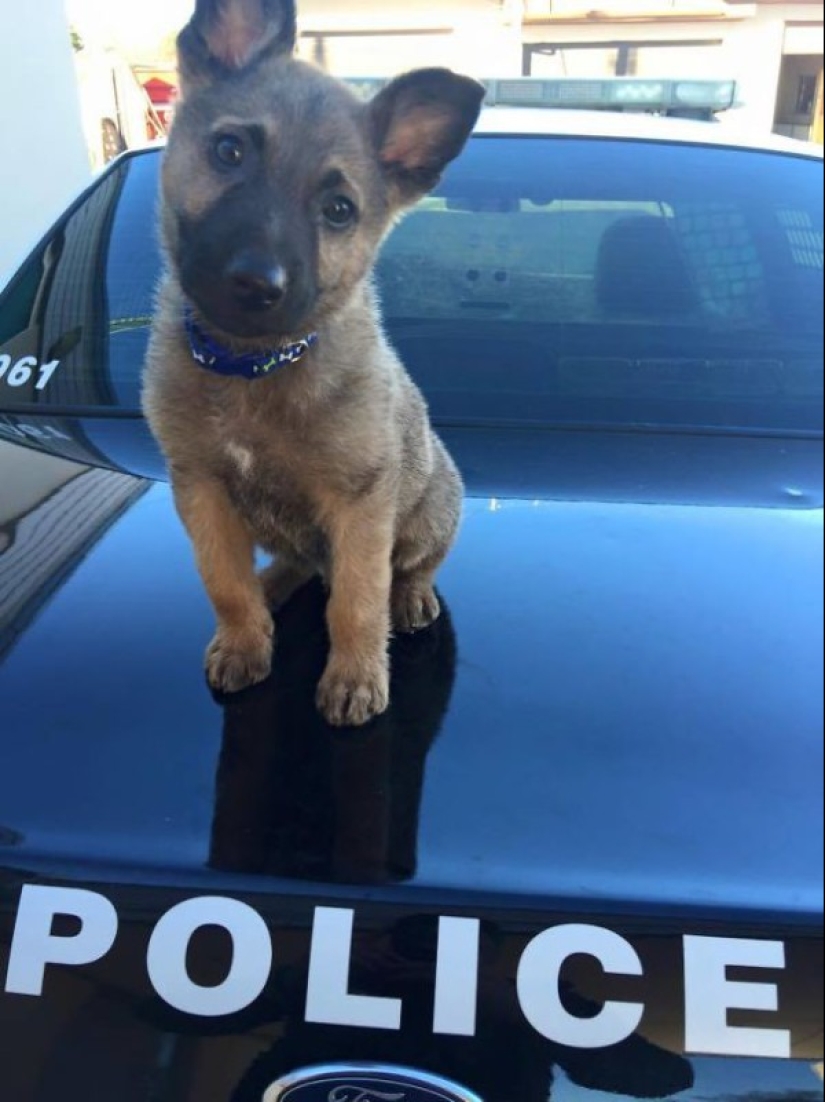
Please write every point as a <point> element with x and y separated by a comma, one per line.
<point>580,857</point>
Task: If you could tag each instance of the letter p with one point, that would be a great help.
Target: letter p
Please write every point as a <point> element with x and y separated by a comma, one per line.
<point>34,945</point>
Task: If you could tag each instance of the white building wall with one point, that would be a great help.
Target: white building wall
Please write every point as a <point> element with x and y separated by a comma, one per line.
<point>45,161</point>
<point>754,57</point>
<point>484,38</point>
<point>480,37</point>
<point>755,49</point>
<point>750,51</point>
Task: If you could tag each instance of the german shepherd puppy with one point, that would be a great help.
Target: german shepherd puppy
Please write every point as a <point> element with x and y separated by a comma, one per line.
<point>278,186</point>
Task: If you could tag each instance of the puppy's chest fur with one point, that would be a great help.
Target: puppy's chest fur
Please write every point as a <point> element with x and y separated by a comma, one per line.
<point>265,487</point>
<point>278,478</point>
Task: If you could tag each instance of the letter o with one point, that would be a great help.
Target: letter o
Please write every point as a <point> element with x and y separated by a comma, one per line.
<point>251,956</point>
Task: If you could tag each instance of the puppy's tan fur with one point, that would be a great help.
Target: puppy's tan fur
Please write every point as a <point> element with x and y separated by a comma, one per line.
<point>329,464</point>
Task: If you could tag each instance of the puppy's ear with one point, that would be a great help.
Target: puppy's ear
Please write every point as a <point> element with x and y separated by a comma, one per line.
<point>420,123</point>
<point>226,36</point>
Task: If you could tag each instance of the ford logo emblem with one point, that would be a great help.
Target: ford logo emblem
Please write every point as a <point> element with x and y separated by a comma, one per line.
<point>365,1083</point>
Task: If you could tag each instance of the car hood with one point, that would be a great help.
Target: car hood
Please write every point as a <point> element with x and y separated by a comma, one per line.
<point>621,703</point>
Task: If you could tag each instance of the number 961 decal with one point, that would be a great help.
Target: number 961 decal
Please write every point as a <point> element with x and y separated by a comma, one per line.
<point>19,372</point>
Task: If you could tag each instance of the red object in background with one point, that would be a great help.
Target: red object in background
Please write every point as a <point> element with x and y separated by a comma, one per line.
<point>163,95</point>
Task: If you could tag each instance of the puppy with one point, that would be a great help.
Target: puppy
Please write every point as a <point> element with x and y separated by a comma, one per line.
<point>287,421</point>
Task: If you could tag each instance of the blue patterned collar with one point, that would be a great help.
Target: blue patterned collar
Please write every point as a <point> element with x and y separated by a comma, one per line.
<point>213,356</point>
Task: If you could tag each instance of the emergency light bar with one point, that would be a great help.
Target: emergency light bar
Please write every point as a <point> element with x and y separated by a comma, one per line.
<point>667,97</point>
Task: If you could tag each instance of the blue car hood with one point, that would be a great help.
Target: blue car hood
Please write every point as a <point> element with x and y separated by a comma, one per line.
<point>621,704</point>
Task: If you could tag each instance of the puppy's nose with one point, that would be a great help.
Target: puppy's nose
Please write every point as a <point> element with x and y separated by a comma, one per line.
<point>256,283</point>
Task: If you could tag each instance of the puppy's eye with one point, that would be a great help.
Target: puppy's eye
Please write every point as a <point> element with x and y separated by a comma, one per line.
<point>339,212</point>
<point>228,150</point>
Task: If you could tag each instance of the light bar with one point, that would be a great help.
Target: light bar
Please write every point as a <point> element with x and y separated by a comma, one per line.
<point>614,93</point>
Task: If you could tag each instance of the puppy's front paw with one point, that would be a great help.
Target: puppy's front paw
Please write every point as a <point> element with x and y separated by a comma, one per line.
<point>237,659</point>
<point>349,696</point>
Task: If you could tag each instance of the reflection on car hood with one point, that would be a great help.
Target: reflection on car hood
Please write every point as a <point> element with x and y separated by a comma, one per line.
<point>622,701</point>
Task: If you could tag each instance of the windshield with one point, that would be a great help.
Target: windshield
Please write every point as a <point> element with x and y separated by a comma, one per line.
<point>547,281</point>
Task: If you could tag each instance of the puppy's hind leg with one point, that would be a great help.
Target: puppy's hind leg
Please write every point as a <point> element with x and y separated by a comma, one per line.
<point>413,602</point>
<point>421,545</point>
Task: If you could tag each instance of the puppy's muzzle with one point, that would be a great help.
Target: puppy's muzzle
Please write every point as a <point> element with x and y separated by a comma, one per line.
<point>256,283</point>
